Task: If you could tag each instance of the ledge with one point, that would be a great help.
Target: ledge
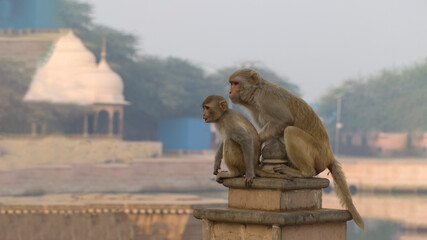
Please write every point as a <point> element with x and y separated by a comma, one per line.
<point>278,184</point>
<point>273,218</point>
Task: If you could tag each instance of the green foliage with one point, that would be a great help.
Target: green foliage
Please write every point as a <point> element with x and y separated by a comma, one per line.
<point>121,47</point>
<point>14,83</point>
<point>74,14</point>
<point>77,16</point>
<point>162,88</point>
<point>169,87</point>
<point>393,101</point>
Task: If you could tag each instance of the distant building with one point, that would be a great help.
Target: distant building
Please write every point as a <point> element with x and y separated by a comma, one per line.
<point>383,144</point>
<point>72,76</point>
<point>419,143</point>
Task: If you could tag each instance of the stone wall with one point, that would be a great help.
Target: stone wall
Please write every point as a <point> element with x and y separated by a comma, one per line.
<point>27,46</point>
<point>18,153</point>
<point>109,218</point>
<point>177,174</point>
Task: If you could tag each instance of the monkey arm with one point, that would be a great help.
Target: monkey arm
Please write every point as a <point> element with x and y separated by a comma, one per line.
<point>278,117</point>
<point>270,130</point>
<point>247,145</point>
<point>218,158</point>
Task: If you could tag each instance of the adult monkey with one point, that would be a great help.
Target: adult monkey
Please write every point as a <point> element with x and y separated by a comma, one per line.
<point>277,112</point>
<point>240,147</point>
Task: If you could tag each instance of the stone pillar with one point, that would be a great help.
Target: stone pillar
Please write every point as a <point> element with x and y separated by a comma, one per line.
<point>273,155</point>
<point>43,129</point>
<point>110,122</point>
<point>33,129</point>
<point>95,121</point>
<point>120,123</point>
<point>274,209</point>
<point>85,126</point>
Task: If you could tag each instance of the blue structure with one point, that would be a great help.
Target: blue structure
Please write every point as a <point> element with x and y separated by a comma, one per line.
<point>22,14</point>
<point>184,134</point>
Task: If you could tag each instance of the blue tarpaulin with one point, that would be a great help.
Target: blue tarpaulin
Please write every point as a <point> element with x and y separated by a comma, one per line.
<point>184,134</point>
<point>22,14</point>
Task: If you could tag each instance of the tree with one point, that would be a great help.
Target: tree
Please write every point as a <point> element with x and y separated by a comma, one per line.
<point>392,101</point>
<point>14,84</point>
<point>164,88</point>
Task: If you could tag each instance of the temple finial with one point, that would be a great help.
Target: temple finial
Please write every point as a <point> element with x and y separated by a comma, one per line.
<point>104,49</point>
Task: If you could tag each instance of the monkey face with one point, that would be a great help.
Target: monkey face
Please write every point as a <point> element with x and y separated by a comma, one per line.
<point>235,84</point>
<point>211,113</point>
<point>208,113</point>
<point>213,108</point>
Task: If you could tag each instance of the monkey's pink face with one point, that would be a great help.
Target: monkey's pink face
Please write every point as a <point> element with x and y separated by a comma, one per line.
<point>235,85</point>
<point>207,113</point>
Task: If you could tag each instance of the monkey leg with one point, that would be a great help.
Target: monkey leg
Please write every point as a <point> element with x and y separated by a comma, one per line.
<point>233,158</point>
<point>302,150</point>
<point>292,172</point>
<point>223,175</point>
<point>261,173</point>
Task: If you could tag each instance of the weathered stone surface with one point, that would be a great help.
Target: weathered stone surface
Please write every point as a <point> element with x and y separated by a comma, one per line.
<point>235,231</point>
<point>308,199</point>
<point>255,199</point>
<point>221,231</point>
<point>275,200</point>
<point>272,218</point>
<point>274,209</point>
<point>279,184</point>
<point>107,217</point>
<point>325,231</point>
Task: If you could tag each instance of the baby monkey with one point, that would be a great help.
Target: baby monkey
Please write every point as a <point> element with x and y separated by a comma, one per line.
<point>241,145</point>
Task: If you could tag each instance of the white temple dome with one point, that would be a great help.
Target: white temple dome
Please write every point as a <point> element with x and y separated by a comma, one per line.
<point>107,84</point>
<point>72,76</point>
<point>70,53</point>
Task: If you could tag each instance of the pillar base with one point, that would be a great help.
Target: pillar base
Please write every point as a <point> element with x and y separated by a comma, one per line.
<point>231,224</point>
<point>274,209</point>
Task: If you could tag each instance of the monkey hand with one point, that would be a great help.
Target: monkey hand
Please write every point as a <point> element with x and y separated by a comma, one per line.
<point>249,179</point>
<point>219,179</point>
<point>217,166</point>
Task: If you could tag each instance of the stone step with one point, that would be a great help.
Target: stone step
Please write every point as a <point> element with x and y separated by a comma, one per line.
<point>256,217</point>
<point>278,184</point>
<point>270,194</point>
<point>233,224</point>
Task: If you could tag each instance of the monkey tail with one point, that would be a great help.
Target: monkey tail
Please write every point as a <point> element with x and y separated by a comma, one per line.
<point>261,173</point>
<point>343,192</point>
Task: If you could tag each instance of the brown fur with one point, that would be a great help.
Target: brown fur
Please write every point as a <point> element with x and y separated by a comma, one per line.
<point>277,112</point>
<point>241,146</point>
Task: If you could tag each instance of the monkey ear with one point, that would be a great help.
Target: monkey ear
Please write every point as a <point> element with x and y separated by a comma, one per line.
<point>223,105</point>
<point>254,77</point>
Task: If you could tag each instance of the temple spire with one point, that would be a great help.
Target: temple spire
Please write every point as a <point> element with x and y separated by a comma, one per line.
<point>104,50</point>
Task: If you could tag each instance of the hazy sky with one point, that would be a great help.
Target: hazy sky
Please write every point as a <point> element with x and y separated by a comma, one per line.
<point>316,44</point>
